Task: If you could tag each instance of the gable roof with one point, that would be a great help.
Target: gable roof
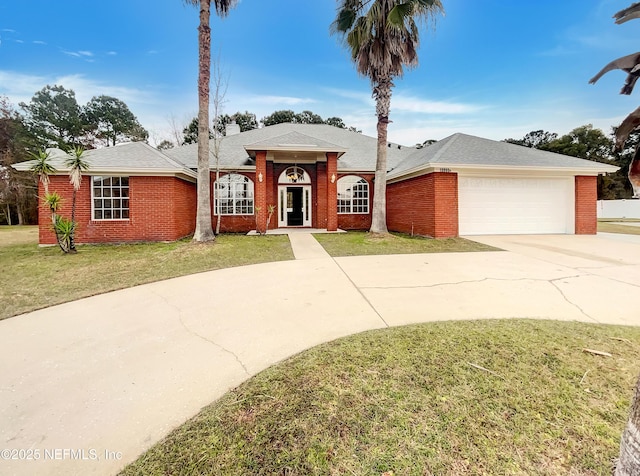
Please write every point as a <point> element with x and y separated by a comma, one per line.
<point>359,150</point>
<point>130,158</point>
<point>294,141</point>
<point>462,151</point>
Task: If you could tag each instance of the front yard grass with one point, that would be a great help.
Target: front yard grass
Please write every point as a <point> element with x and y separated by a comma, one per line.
<point>617,226</point>
<point>358,243</point>
<point>448,398</point>
<point>33,277</point>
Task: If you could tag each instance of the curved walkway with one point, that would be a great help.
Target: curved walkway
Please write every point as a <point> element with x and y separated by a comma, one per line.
<point>87,386</point>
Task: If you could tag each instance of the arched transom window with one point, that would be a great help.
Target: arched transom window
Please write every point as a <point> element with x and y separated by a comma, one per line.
<point>233,195</point>
<point>294,175</point>
<point>353,194</point>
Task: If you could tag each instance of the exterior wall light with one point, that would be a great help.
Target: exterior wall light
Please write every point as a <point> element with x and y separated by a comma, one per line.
<point>260,177</point>
<point>333,178</point>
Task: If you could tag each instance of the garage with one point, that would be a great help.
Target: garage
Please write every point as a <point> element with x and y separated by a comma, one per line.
<point>494,205</point>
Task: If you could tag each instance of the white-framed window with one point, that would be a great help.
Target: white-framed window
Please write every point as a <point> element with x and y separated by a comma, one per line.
<point>353,195</point>
<point>110,198</point>
<point>233,195</point>
<point>294,174</point>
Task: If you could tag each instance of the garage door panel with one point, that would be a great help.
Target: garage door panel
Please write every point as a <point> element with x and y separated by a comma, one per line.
<point>508,205</point>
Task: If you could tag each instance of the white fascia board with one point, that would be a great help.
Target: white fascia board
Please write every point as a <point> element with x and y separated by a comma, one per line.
<point>355,171</point>
<point>503,170</point>
<point>243,168</point>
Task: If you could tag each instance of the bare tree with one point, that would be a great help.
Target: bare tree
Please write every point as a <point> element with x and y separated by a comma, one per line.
<point>219,92</point>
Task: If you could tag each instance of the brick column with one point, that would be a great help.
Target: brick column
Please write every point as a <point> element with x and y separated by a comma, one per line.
<point>586,205</point>
<point>332,191</point>
<point>445,198</point>
<point>320,217</point>
<point>261,191</point>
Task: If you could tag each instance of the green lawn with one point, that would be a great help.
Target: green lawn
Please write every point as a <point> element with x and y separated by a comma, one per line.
<point>33,277</point>
<point>358,243</point>
<point>616,226</point>
<point>450,398</point>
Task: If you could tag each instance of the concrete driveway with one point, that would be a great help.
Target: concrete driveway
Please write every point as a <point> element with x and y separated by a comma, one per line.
<point>87,386</point>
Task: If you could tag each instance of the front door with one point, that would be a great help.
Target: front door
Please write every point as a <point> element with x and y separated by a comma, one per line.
<point>294,205</point>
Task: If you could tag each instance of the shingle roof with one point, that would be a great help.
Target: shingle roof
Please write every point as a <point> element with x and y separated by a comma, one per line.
<point>123,158</point>
<point>468,151</point>
<point>295,140</point>
<point>360,149</point>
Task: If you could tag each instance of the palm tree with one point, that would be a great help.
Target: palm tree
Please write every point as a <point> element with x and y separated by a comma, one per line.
<point>204,230</point>
<point>628,463</point>
<point>382,37</point>
<point>77,165</point>
<point>42,168</point>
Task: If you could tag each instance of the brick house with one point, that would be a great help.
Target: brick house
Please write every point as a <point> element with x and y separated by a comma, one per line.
<point>320,176</point>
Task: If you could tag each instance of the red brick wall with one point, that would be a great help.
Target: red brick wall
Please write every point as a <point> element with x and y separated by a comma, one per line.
<point>261,190</point>
<point>446,204</point>
<point>160,209</point>
<point>332,191</point>
<point>320,194</point>
<point>586,205</point>
<point>426,205</point>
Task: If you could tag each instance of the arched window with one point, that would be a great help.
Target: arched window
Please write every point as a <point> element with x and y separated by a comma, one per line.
<point>233,195</point>
<point>353,194</point>
<point>294,175</point>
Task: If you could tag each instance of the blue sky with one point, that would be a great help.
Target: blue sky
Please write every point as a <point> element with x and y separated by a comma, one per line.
<point>492,68</point>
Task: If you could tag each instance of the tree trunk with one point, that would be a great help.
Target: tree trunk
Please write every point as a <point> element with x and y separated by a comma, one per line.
<point>204,231</point>
<point>72,238</point>
<point>219,215</point>
<point>629,462</point>
<point>382,95</point>
<point>20,214</point>
<point>9,215</point>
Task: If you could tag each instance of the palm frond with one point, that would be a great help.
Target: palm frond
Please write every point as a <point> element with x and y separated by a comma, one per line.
<point>222,6</point>
<point>77,165</point>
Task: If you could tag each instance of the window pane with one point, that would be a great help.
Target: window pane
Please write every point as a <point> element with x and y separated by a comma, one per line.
<point>233,195</point>
<point>107,204</point>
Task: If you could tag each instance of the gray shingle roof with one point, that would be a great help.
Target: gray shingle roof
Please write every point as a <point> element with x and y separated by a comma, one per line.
<point>360,149</point>
<point>123,158</point>
<point>468,151</point>
<point>295,140</point>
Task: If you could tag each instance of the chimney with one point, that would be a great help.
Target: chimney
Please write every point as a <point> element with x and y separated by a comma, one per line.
<point>232,129</point>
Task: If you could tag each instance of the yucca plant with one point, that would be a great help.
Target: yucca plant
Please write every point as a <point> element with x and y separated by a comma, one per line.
<point>64,229</point>
<point>77,165</point>
<point>53,201</point>
<point>42,168</point>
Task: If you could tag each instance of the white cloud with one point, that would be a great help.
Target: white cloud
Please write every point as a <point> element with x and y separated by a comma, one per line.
<point>39,42</point>
<point>8,30</point>
<point>281,100</point>
<point>21,87</point>
<point>405,103</point>
<point>111,53</point>
<point>78,54</point>
<point>424,106</point>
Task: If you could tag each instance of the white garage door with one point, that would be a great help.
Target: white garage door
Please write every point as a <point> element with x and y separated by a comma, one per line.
<point>509,205</point>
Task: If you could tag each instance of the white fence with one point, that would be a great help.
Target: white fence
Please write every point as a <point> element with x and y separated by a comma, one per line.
<point>619,208</point>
